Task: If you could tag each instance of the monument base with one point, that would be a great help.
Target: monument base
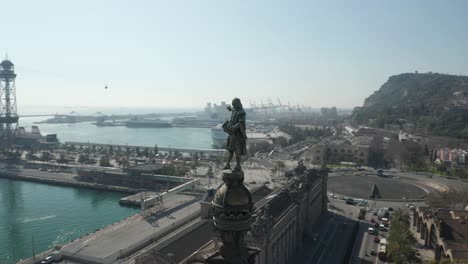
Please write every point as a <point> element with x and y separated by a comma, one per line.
<point>245,256</point>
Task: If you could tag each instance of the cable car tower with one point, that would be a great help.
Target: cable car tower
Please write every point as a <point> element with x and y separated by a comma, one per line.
<point>8,111</point>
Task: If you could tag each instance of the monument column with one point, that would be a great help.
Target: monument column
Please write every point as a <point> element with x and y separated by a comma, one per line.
<point>232,206</point>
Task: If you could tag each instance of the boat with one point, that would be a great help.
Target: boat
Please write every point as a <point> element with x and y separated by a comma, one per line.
<point>148,123</point>
<point>107,123</point>
<point>218,136</point>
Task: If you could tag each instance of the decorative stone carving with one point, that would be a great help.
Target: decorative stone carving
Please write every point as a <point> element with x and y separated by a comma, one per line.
<point>232,217</point>
<point>263,222</point>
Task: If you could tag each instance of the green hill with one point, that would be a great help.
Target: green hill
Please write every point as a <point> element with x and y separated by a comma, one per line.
<point>428,102</point>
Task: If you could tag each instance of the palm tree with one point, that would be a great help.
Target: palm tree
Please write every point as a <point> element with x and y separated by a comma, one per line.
<point>280,166</point>
<point>400,247</point>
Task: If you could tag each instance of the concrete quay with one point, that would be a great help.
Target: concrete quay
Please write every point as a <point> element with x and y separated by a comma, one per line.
<point>135,199</point>
<point>62,179</point>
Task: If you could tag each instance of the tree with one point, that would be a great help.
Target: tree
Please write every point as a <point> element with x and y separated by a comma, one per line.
<point>426,150</point>
<point>146,152</point>
<point>327,157</point>
<point>123,162</point>
<point>274,172</point>
<point>280,166</point>
<point>155,149</point>
<point>400,240</point>
<point>104,161</point>
<point>46,156</point>
<point>415,154</point>
<point>210,172</point>
<point>375,157</point>
<point>138,151</point>
<point>83,158</point>
<point>195,164</point>
<point>63,159</point>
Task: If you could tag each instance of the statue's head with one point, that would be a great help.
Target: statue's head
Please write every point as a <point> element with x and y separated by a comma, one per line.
<point>236,103</point>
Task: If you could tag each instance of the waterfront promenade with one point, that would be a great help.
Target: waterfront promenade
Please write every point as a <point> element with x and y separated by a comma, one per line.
<point>215,152</point>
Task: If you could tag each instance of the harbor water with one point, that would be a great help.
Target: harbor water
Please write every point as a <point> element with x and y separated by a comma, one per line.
<point>186,137</point>
<point>51,215</point>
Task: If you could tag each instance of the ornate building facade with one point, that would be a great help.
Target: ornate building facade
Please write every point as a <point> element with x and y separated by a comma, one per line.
<point>285,218</point>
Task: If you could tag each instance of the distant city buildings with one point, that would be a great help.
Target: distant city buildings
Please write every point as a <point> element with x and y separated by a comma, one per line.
<point>454,156</point>
<point>353,150</point>
<point>213,108</point>
<point>403,137</point>
<point>329,113</point>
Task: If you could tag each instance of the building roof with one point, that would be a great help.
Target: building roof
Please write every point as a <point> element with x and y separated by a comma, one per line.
<point>457,245</point>
<point>184,246</point>
<point>147,167</point>
<point>454,229</point>
<point>260,193</point>
<point>460,254</point>
<point>188,243</point>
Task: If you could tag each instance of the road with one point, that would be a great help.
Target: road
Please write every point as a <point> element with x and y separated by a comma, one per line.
<point>364,242</point>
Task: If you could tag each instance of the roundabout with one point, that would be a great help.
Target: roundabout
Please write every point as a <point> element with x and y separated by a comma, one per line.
<point>361,187</point>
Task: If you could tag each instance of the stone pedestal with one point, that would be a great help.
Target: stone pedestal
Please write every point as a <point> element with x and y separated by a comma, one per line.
<point>232,216</point>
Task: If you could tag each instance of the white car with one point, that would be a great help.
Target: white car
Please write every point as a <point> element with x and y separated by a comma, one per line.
<point>47,260</point>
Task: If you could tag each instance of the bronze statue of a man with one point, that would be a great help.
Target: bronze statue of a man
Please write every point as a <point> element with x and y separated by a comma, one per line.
<point>235,127</point>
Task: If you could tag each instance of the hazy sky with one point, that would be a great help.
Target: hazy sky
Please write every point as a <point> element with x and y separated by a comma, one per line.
<point>185,53</point>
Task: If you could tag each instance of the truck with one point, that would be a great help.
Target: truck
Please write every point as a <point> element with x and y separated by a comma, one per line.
<point>382,253</point>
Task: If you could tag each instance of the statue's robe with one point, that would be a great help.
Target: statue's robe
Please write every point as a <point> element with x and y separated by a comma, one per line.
<point>235,127</point>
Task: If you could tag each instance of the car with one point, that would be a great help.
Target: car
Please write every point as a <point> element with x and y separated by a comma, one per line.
<point>372,252</point>
<point>372,220</point>
<point>382,228</point>
<point>376,239</point>
<point>412,207</point>
<point>372,231</point>
<point>350,201</point>
<point>376,225</point>
<point>47,260</point>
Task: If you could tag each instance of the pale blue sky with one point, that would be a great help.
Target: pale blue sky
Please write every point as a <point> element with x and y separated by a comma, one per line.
<point>185,53</point>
